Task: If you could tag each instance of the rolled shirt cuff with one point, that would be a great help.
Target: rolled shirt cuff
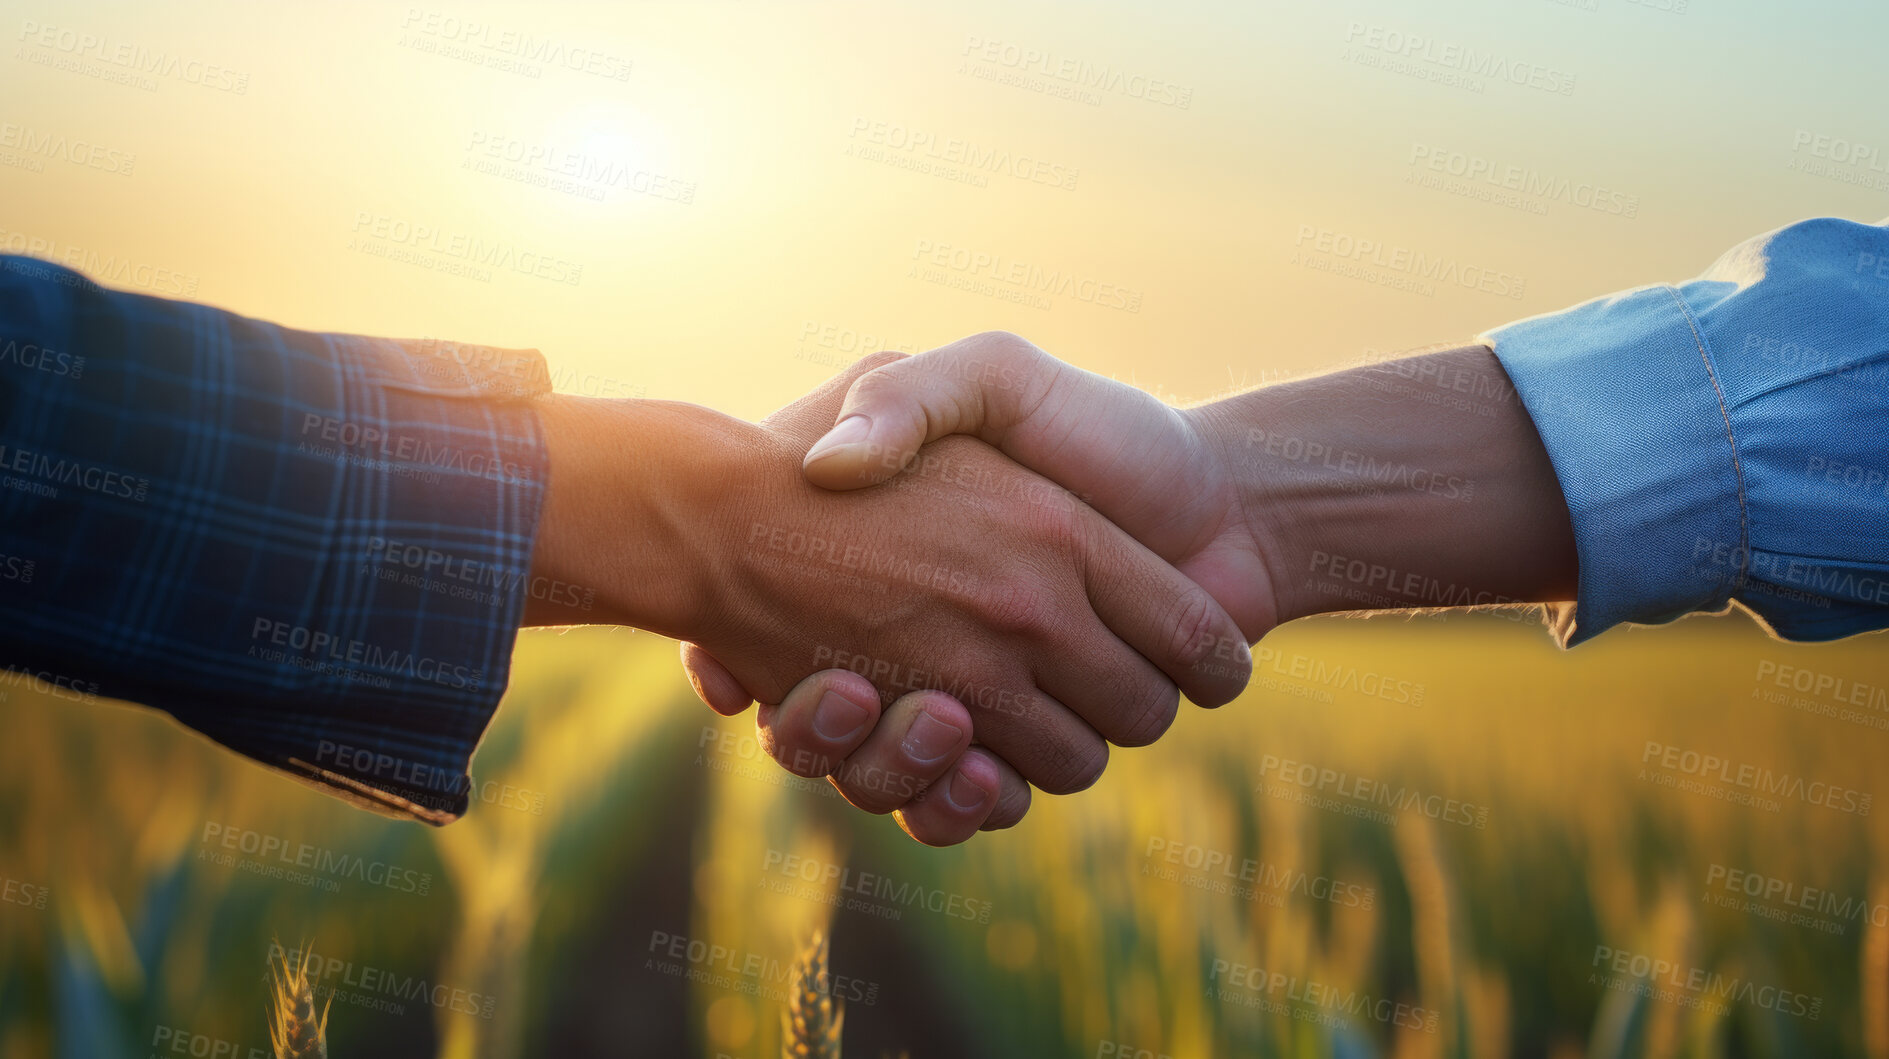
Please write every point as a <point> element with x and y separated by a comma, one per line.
<point>1628,402</point>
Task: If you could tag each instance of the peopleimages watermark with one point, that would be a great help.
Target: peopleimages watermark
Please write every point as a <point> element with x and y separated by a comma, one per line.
<point>1823,694</point>
<point>1786,570</point>
<point>1826,685</point>
<point>17,568</point>
<point>1837,158</point>
<point>1376,586</point>
<point>363,985</point>
<point>1364,466</point>
<point>1870,373</point>
<point>455,253</point>
<point>902,677</point>
<point>951,157</point>
<point>373,441</point>
<point>1503,183</point>
<point>745,972</point>
<point>947,476</point>
<point>502,48</point>
<point>26,143</point>
<point>855,561</point>
<point>23,894</point>
<point>121,61</point>
<point>831,345</point>
<point>1692,987</point>
<point>1769,897</point>
<point>424,784</point>
<point>301,647</point>
<point>1398,267</point>
<point>53,685</point>
<point>1350,794</point>
<point>872,893</point>
<point>1247,878</point>
<point>93,267</point>
<point>1011,279</point>
<point>177,1041</point>
<point>1743,783</point>
<point>555,168</point>
<point>41,475</point>
<point>1336,677</point>
<point>1045,72</point>
<point>1875,264</point>
<point>1447,62</point>
<point>1309,1000</point>
<point>740,754</point>
<point>33,357</point>
<point>303,863</point>
<point>429,569</point>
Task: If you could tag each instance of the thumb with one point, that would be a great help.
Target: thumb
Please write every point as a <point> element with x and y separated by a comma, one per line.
<point>980,386</point>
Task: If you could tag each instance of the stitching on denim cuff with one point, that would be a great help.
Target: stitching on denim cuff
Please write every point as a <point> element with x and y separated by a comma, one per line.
<point>1738,470</point>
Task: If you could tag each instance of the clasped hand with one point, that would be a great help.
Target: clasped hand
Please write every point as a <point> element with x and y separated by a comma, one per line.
<point>977,628</point>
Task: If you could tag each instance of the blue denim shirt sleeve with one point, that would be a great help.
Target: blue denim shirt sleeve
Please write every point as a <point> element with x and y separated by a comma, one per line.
<point>1725,439</point>
<point>312,548</point>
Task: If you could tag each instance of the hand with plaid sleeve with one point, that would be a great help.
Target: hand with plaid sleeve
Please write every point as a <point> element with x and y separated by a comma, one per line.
<point>316,549</point>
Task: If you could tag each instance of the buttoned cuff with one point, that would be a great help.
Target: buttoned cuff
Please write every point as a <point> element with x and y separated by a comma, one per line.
<point>1625,395</point>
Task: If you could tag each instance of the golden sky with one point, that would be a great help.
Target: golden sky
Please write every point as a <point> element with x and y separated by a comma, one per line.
<point>746,194</point>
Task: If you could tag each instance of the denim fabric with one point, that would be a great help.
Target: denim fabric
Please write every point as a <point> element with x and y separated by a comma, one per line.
<point>1725,439</point>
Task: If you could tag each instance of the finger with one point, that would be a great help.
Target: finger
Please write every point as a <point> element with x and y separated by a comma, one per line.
<point>1171,620</point>
<point>956,807</point>
<point>977,385</point>
<point>1013,794</point>
<point>713,683</point>
<point>1121,694</point>
<point>918,740</point>
<point>821,721</point>
<point>1047,743</point>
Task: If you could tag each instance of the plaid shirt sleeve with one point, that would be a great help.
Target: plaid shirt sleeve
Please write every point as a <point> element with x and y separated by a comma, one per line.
<point>314,549</point>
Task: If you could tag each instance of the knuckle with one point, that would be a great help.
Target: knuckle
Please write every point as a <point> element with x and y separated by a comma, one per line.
<point>1194,630</point>
<point>1152,721</point>
<point>1006,346</point>
<point>1056,526</point>
<point>876,383</point>
<point>1015,605</point>
<point>1011,809</point>
<point>1075,767</point>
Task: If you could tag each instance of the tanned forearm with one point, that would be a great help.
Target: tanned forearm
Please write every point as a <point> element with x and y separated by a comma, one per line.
<point>1415,483</point>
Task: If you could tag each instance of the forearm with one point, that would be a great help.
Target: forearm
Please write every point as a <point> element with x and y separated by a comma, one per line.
<point>630,510</point>
<point>1415,483</point>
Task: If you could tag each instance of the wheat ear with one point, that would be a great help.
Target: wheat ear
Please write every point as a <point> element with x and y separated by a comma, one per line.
<point>810,1027</point>
<point>295,1031</point>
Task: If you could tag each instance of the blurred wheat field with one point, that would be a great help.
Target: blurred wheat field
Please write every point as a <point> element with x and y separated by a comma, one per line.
<point>1433,836</point>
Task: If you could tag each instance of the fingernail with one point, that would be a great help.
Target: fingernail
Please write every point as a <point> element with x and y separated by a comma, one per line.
<point>963,792</point>
<point>930,738</point>
<point>849,431</point>
<point>838,717</point>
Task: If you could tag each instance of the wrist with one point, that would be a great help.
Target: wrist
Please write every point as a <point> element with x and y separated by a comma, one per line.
<point>631,512</point>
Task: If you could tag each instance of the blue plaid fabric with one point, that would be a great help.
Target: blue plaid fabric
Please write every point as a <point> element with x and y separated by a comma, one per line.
<point>315,549</point>
<point>1725,439</point>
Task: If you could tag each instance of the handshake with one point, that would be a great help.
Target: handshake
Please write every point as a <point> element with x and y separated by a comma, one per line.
<point>953,577</point>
